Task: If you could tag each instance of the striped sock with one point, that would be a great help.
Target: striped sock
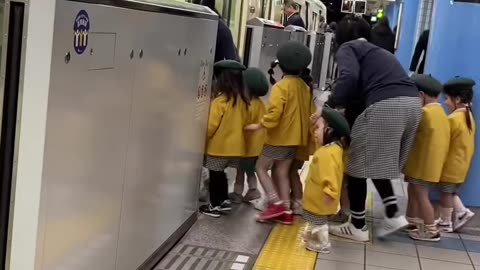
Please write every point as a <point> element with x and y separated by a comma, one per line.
<point>390,204</point>
<point>273,197</point>
<point>358,218</point>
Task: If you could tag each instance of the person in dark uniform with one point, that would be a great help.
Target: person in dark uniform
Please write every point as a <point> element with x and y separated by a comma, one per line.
<point>225,48</point>
<point>293,15</point>
<point>382,35</point>
<point>419,48</point>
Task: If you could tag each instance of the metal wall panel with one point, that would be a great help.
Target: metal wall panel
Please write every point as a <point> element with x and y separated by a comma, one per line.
<point>124,144</point>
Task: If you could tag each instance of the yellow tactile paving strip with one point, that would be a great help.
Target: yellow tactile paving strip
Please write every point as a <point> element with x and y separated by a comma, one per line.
<point>285,250</point>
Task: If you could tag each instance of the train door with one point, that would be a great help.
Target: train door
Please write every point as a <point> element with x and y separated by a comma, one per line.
<point>12,18</point>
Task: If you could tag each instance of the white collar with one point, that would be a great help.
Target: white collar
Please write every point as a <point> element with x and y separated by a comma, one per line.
<point>433,103</point>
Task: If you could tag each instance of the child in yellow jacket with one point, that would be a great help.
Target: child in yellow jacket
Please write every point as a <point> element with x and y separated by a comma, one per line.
<point>425,162</point>
<point>287,125</point>
<point>225,136</point>
<point>323,185</point>
<point>257,85</point>
<point>459,93</point>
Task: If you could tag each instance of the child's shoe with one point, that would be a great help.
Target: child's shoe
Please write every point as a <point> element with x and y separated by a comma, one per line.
<point>306,233</point>
<point>252,194</point>
<point>235,197</point>
<point>318,240</point>
<point>210,211</point>
<point>348,231</point>
<point>424,233</point>
<point>225,207</point>
<point>273,211</point>
<point>285,219</point>
<point>391,225</point>
<point>461,219</point>
<point>445,226</point>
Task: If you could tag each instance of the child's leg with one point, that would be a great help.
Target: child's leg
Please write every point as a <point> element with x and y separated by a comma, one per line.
<point>218,187</point>
<point>252,193</point>
<point>239,181</point>
<point>263,164</point>
<point>412,209</point>
<point>295,181</point>
<point>446,210</point>
<point>426,230</point>
<point>282,168</point>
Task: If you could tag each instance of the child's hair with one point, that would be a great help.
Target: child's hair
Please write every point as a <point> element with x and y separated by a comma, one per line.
<point>304,74</point>
<point>465,95</point>
<point>230,83</point>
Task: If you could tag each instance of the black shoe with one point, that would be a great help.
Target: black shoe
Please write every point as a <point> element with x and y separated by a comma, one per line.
<point>209,210</point>
<point>226,206</point>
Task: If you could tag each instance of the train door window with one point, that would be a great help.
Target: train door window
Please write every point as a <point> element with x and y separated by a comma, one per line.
<point>314,21</point>
<point>307,17</point>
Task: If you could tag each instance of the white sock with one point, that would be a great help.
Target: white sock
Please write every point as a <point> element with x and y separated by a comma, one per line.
<point>458,205</point>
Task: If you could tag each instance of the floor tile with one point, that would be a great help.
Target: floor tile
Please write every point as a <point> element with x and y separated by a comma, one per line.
<point>445,243</point>
<point>428,264</point>
<point>470,237</point>
<point>450,235</point>
<point>344,255</point>
<point>347,244</point>
<point>475,257</point>
<point>472,246</point>
<point>393,248</point>
<point>371,267</point>
<point>333,265</point>
<point>443,254</point>
<point>392,261</point>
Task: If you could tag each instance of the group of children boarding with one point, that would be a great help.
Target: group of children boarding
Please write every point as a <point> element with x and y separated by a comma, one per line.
<point>244,134</point>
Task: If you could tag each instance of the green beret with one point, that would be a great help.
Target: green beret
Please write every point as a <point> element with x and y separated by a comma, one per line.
<point>294,56</point>
<point>229,64</point>
<point>459,83</point>
<point>336,121</point>
<point>256,82</point>
<point>428,84</point>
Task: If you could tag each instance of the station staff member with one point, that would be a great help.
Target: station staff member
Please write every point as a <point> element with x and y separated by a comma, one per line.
<point>293,14</point>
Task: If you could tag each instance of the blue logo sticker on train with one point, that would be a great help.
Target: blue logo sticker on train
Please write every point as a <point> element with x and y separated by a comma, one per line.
<point>81,27</point>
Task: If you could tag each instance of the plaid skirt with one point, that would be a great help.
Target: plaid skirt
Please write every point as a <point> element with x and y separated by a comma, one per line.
<point>279,152</point>
<point>419,182</point>
<point>219,164</point>
<point>382,137</point>
<point>314,219</point>
<point>449,187</point>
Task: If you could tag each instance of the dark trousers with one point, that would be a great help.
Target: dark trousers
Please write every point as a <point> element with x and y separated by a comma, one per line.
<point>357,193</point>
<point>218,187</point>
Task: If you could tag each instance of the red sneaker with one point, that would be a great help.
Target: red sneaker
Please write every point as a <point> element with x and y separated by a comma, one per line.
<point>273,211</point>
<point>285,219</point>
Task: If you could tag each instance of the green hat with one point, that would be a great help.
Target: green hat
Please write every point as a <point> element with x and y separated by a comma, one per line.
<point>294,56</point>
<point>428,84</point>
<point>459,83</point>
<point>256,82</point>
<point>336,121</point>
<point>228,64</point>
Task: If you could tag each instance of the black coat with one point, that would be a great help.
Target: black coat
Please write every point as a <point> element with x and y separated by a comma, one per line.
<point>225,48</point>
<point>384,38</point>
<point>419,48</point>
<point>296,20</point>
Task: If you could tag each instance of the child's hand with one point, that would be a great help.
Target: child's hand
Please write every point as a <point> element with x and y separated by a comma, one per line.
<point>314,117</point>
<point>252,127</point>
<point>328,200</point>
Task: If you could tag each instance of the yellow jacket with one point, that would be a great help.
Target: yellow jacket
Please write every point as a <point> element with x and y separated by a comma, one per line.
<point>255,140</point>
<point>324,178</point>
<point>288,116</point>
<point>462,146</point>
<point>431,145</point>
<point>225,135</point>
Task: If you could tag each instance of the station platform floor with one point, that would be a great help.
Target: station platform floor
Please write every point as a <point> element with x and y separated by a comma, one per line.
<point>237,242</point>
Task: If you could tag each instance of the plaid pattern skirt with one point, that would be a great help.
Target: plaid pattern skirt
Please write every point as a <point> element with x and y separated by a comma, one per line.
<point>219,164</point>
<point>314,219</point>
<point>449,187</point>
<point>382,137</point>
<point>419,182</point>
<point>279,152</point>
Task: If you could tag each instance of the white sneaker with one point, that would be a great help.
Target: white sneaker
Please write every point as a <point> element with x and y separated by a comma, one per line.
<point>446,227</point>
<point>461,219</point>
<point>318,240</point>
<point>260,204</point>
<point>391,225</point>
<point>347,230</point>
